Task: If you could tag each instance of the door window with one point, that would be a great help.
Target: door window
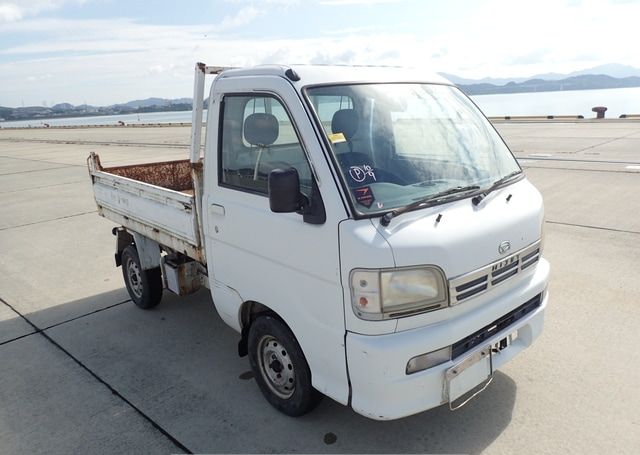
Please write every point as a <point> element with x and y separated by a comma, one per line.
<point>258,136</point>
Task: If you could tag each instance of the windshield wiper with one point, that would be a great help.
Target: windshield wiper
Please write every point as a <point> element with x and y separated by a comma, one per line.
<point>387,217</point>
<point>478,199</point>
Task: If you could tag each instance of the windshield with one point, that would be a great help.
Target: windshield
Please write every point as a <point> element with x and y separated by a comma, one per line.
<point>399,143</point>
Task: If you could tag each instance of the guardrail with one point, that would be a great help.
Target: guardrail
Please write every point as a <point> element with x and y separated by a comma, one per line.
<point>104,125</point>
<point>538,117</point>
<point>506,118</point>
<point>563,118</point>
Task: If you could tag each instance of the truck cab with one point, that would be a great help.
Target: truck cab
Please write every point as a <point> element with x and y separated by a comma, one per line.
<point>365,230</point>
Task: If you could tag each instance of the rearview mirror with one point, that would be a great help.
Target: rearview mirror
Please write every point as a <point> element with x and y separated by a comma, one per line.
<point>284,191</point>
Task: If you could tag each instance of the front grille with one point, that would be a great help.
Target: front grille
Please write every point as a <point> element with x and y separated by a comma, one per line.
<point>483,279</point>
<point>496,326</point>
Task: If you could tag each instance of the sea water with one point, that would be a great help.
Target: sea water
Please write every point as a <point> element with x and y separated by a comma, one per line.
<point>576,102</point>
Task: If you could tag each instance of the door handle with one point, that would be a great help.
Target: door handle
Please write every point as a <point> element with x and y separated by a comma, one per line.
<point>217,209</point>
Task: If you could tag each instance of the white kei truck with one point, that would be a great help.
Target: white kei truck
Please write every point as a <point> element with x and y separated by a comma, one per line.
<point>365,230</point>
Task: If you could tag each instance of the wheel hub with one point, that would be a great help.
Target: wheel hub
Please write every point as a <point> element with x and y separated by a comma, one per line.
<point>276,367</point>
<point>135,277</point>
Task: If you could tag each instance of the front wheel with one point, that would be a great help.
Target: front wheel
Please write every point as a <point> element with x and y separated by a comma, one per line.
<point>280,367</point>
<point>144,286</point>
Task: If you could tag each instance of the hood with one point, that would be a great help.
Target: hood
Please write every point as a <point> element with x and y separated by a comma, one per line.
<point>467,236</point>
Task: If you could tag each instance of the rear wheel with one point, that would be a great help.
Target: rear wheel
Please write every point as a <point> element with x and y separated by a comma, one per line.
<point>280,367</point>
<point>144,286</point>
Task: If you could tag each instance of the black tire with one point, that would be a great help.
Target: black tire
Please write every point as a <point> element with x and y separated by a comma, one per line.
<point>144,286</point>
<point>286,380</point>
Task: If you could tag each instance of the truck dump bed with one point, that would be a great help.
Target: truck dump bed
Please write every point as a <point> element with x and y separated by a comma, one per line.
<point>160,201</point>
<point>172,175</point>
<point>154,199</point>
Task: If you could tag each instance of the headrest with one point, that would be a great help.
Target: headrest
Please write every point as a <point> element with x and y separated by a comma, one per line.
<point>345,121</point>
<point>261,129</point>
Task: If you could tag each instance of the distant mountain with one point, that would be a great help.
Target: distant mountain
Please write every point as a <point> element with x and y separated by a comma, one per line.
<point>615,70</point>
<point>62,107</point>
<point>613,75</point>
<point>611,69</point>
<point>583,82</point>
<point>69,110</point>
<point>486,80</point>
<point>5,112</point>
<point>149,102</point>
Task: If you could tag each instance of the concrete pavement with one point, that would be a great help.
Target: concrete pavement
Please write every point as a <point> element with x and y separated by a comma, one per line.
<point>83,370</point>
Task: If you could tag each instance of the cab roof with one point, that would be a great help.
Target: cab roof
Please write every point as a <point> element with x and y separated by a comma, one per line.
<point>339,74</point>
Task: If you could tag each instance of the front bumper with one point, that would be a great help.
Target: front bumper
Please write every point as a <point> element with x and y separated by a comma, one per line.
<point>380,387</point>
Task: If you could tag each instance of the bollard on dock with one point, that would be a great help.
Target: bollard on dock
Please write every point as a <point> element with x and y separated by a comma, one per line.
<point>599,110</point>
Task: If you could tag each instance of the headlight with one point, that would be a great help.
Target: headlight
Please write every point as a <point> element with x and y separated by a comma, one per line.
<point>382,294</point>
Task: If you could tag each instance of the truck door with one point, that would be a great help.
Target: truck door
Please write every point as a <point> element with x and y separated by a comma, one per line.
<point>275,259</point>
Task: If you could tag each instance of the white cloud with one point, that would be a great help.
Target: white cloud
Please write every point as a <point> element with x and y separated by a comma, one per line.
<point>108,61</point>
<point>159,69</point>
<point>11,11</point>
<point>39,77</point>
<point>285,3</point>
<point>244,16</point>
<point>509,38</point>
<point>354,30</point>
<point>356,2</point>
<point>146,61</point>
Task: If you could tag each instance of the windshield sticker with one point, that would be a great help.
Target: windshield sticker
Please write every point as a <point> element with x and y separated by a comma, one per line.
<point>336,138</point>
<point>364,196</point>
<point>360,173</point>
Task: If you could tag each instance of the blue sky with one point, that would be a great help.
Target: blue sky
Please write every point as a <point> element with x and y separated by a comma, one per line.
<point>108,51</point>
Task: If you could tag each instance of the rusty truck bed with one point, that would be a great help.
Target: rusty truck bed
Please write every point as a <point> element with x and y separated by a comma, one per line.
<point>173,175</point>
<point>153,199</point>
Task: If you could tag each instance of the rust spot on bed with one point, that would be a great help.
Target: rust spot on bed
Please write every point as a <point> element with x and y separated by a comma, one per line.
<point>174,175</point>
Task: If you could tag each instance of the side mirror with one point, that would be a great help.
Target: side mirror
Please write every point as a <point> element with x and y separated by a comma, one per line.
<point>284,191</point>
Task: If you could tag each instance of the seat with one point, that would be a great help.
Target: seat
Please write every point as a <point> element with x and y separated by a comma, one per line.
<point>358,167</point>
<point>261,130</point>
<point>354,165</point>
<point>345,121</point>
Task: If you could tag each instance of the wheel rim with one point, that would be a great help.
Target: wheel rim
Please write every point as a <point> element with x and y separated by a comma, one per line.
<point>276,367</point>
<point>134,277</point>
